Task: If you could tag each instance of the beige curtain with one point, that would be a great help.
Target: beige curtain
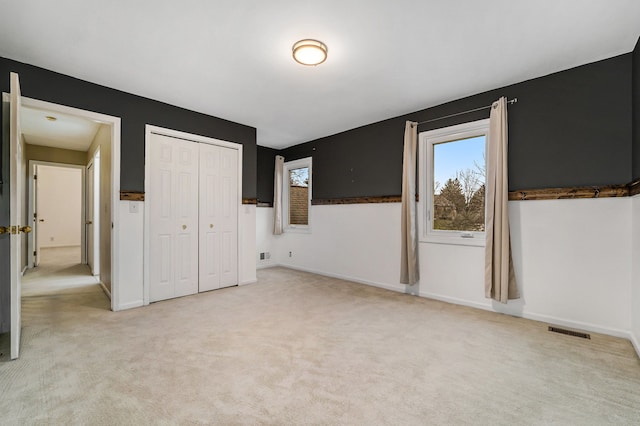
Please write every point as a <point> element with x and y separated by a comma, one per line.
<point>277,195</point>
<point>409,270</point>
<point>499,279</point>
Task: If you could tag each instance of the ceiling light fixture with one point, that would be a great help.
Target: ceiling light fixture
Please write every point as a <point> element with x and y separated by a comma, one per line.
<point>309,52</point>
<point>50,118</point>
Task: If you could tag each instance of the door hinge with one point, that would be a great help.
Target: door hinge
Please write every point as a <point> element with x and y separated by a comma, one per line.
<point>35,177</point>
<point>35,253</point>
<point>35,215</point>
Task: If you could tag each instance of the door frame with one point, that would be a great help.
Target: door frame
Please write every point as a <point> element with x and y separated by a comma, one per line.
<point>33,192</point>
<point>151,130</point>
<point>94,201</point>
<point>114,123</point>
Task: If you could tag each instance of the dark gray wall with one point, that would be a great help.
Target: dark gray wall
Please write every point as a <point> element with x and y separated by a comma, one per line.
<point>135,112</point>
<point>571,128</point>
<point>264,186</point>
<point>636,112</point>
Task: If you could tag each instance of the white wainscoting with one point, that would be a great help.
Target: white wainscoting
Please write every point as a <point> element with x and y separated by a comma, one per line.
<point>572,258</point>
<point>247,244</point>
<point>635,261</point>
<point>265,240</point>
<point>130,255</point>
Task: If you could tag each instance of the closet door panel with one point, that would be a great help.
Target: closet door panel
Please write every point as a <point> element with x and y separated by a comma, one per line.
<point>160,201</point>
<point>186,226</point>
<point>209,218</point>
<point>228,222</point>
<point>173,190</point>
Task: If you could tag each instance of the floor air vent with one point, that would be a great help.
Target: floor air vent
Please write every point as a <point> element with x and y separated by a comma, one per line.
<point>570,332</point>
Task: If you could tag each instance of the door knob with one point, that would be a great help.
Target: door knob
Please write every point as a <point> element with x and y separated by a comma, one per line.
<point>211,225</point>
<point>25,229</point>
<point>184,226</point>
<point>89,222</point>
<point>41,220</point>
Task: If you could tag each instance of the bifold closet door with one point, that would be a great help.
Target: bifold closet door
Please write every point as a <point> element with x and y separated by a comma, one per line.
<point>218,260</point>
<point>173,219</point>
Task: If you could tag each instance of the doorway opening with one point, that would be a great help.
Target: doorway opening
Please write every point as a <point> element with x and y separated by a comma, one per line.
<point>72,219</point>
<point>56,200</point>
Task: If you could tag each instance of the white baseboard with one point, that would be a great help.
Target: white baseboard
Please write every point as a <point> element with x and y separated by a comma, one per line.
<point>251,281</point>
<point>266,265</point>
<point>616,332</point>
<point>635,342</point>
<point>535,317</point>
<point>24,270</point>
<point>130,305</point>
<point>105,289</point>
<point>398,288</point>
<point>456,301</point>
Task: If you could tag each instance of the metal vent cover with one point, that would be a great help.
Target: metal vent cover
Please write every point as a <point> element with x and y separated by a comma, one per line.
<point>570,332</point>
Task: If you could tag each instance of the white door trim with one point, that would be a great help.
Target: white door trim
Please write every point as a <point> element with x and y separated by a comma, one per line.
<point>30,241</point>
<point>149,130</point>
<point>114,122</point>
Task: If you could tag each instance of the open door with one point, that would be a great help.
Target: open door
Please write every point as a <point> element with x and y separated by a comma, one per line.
<point>34,231</point>
<point>92,222</point>
<point>16,200</point>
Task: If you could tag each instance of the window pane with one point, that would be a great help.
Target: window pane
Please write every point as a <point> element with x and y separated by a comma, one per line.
<point>459,179</point>
<point>299,196</point>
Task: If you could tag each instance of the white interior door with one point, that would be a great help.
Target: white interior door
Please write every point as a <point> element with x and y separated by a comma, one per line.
<point>229,216</point>
<point>173,221</point>
<point>40,219</point>
<point>89,219</point>
<point>36,220</point>
<point>96,217</point>
<point>15,214</point>
<point>218,256</point>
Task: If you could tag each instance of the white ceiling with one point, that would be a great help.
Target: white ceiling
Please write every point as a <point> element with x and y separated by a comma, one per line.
<point>67,131</point>
<point>232,58</point>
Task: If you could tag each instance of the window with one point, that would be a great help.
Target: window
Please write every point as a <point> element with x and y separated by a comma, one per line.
<point>297,194</point>
<point>452,176</point>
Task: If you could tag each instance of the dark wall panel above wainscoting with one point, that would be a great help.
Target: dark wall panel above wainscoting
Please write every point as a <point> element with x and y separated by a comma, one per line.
<point>265,172</point>
<point>135,112</point>
<point>568,129</point>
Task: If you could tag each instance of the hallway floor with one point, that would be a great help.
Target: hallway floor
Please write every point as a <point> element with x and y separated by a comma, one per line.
<point>60,270</point>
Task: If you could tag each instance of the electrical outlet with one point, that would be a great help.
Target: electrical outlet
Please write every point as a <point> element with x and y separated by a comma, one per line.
<point>261,256</point>
<point>289,254</point>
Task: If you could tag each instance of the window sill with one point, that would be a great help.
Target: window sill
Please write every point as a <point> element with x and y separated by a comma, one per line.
<point>298,230</point>
<point>478,240</point>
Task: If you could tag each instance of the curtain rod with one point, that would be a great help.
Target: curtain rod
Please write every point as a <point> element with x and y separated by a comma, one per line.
<point>512,101</point>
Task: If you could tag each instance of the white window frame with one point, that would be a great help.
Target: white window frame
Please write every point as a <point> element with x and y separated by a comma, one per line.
<point>288,166</point>
<point>425,205</point>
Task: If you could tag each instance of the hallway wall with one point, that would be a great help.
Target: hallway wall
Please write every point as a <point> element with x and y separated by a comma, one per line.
<point>59,206</point>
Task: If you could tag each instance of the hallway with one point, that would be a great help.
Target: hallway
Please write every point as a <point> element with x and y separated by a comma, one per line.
<point>59,271</point>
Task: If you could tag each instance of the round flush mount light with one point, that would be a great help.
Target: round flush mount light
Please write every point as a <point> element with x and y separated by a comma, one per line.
<point>50,118</point>
<point>309,52</point>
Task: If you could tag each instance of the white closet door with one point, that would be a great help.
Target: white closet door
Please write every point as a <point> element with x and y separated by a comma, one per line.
<point>173,226</point>
<point>218,217</point>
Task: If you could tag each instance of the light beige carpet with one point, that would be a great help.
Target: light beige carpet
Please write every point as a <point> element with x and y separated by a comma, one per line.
<point>297,348</point>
